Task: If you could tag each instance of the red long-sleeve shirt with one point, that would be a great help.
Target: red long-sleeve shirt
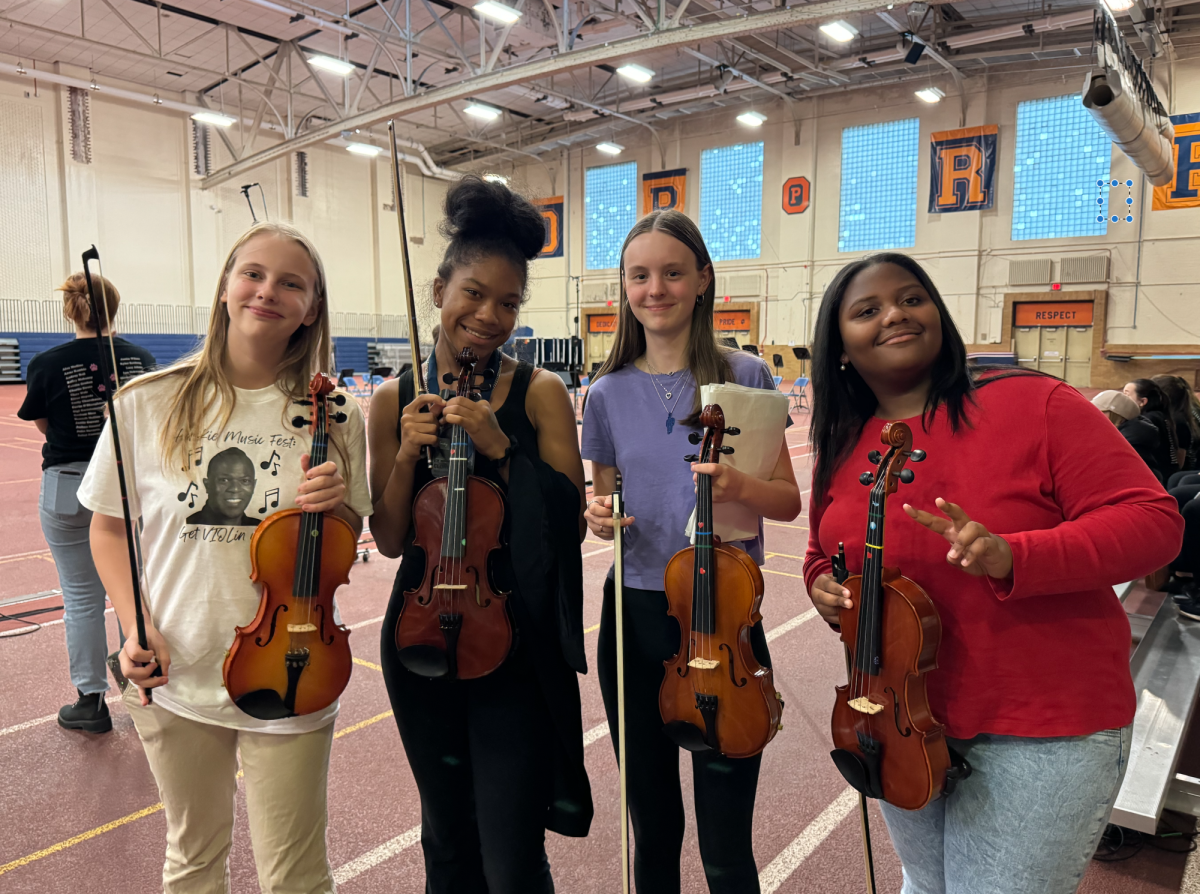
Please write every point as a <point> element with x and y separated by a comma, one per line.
<point>1045,652</point>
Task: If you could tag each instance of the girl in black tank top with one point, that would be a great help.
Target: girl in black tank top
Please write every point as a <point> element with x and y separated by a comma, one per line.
<point>497,759</point>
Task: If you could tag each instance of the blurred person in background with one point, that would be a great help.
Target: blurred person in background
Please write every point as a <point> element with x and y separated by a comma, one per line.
<point>1142,434</point>
<point>1153,403</point>
<point>1187,427</point>
<point>65,399</point>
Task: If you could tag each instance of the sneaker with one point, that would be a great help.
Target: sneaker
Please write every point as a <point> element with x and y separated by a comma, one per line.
<point>89,714</point>
<point>1177,586</point>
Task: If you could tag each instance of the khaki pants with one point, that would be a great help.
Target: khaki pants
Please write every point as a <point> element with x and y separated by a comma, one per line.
<point>195,766</point>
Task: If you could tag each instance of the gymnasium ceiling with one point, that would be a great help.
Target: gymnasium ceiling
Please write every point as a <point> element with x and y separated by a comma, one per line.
<point>554,86</point>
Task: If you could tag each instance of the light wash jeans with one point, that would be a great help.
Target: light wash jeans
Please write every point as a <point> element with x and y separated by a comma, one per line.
<point>1026,821</point>
<point>65,524</point>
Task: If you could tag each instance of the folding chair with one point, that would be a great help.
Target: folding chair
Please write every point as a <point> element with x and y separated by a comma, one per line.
<point>798,396</point>
<point>778,381</point>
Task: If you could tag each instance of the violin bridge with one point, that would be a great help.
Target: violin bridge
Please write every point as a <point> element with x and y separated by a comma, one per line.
<point>706,664</point>
<point>301,628</point>
<point>449,586</point>
<point>864,705</point>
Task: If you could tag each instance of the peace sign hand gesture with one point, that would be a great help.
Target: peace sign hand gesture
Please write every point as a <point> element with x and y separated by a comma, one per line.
<point>973,548</point>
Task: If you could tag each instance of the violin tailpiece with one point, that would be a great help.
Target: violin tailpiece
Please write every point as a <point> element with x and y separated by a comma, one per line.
<point>864,705</point>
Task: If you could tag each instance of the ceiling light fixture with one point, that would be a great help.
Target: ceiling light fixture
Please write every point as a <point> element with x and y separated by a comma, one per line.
<point>930,94</point>
<point>610,148</point>
<point>498,11</point>
<point>841,31</point>
<point>364,149</point>
<point>1118,5</point>
<point>339,67</point>
<point>481,111</point>
<point>496,178</point>
<point>213,118</point>
<point>752,119</point>
<point>637,73</point>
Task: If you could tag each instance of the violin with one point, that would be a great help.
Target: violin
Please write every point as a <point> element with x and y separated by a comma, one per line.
<point>455,623</point>
<point>715,695</point>
<point>293,658</point>
<point>887,743</point>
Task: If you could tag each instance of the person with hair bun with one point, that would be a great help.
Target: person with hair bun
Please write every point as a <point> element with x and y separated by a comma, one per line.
<point>498,759</point>
<point>1154,407</point>
<point>64,399</point>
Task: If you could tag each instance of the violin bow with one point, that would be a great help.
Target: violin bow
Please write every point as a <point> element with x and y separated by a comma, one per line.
<point>110,383</point>
<point>618,512</point>
<point>840,573</point>
<point>410,304</point>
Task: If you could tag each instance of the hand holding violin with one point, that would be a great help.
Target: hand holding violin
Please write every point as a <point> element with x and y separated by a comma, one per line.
<point>479,422</point>
<point>726,481</point>
<point>419,429</point>
<point>973,548</point>
<point>323,488</point>
<point>829,597</point>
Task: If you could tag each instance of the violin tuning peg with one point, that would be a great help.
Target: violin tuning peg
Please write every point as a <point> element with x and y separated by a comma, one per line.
<point>694,437</point>
<point>339,399</point>
<point>874,456</point>
<point>733,431</point>
<point>917,456</point>
<point>448,378</point>
<point>907,476</point>
<point>866,478</point>
<point>727,450</point>
<point>303,403</point>
<point>299,421</point>
<point>692,458</point>
<point>340,417</point>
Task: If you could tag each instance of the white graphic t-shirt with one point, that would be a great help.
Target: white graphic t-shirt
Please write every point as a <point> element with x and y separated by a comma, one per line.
<point>198,521</point>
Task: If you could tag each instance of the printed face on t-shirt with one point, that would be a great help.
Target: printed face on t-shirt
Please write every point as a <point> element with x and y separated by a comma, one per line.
<point>229,484</point>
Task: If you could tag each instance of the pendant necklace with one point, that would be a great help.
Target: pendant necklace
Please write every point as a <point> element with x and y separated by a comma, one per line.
<point>657,385</point>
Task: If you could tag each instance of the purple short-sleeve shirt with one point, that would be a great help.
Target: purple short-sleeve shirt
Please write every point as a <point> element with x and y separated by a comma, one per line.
<point>625,425</point>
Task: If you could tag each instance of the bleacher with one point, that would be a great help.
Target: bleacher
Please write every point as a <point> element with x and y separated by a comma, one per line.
<point>1166,676</point>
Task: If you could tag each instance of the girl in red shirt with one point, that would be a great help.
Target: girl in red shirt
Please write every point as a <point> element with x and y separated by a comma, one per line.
<point>1029,507</point>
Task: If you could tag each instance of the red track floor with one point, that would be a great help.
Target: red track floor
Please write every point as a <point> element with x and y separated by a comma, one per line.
<point>80,813</point>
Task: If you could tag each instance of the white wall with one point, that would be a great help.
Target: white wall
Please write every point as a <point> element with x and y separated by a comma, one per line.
<point>162,238</point>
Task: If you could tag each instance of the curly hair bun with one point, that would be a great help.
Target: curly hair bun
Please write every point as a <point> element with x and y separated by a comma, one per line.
<point>479,211</point>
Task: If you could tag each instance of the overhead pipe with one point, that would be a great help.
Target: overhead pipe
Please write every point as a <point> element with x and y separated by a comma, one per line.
<point>105,90</point>
<point>1138,132</point>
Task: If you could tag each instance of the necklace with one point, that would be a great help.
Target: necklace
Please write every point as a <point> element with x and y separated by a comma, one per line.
<point>670,409</point>
<point>655,372</point>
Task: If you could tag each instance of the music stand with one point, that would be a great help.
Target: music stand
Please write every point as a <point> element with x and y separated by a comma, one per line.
<point>803,355</point>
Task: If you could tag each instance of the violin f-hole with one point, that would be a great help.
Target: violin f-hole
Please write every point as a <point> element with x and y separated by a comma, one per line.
<point>271,633</point>
<point>321,632</point>
<point>896,713</point>
<point>732,676</point>
<point>682,670</point>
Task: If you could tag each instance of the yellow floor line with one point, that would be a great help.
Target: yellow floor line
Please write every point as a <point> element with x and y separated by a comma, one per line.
<point>370,664</point>
<point>782,573</point>
<point>593,627</point>
<point>782,525</point>
<point>84,836</point>
<point>361,724</point>
<point>784,556</point>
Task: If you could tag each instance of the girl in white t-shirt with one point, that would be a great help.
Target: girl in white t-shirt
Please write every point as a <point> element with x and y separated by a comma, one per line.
<point>209,451</point>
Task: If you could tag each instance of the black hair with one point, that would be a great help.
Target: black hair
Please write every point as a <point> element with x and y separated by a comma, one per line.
<point>1154,396</point>
<point>842,400</point>
<point>484,219</point>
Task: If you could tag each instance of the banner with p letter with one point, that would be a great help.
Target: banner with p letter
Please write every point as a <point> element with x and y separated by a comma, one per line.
<point>963,169</point>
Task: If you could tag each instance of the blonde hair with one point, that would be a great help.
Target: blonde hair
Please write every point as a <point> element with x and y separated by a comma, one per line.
<point>706,359</point>
<point>204,385</point>
<point>78,309</point>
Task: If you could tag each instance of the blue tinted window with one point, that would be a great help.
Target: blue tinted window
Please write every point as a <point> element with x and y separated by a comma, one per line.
<point>1062,159</point>
<point>731,180</point>
<point>879,186</point>
<point>610,209</point>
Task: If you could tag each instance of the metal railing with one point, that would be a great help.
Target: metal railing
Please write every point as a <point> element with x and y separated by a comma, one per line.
<point>45,315</point>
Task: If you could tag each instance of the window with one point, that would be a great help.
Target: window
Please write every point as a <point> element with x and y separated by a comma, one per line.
<point>731,179</point>
<point>1061,172</point>
<point>610,207</point>
<point>879,186</point>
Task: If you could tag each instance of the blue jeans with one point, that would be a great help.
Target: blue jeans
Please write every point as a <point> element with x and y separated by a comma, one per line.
<point>65,524</point>
<point>1026,821</point>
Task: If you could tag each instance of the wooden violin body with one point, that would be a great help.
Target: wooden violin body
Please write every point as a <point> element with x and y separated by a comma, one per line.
<point>715,694</point>
<point>746,710</point>
<point>913,756</point>
<point>292,658</point>
<point>463,633</point>
<point>887,743</point>
<point>456,623</point>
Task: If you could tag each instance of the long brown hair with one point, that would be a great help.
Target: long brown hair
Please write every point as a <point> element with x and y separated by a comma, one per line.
<point>706,359</point>
<point>203,386</point>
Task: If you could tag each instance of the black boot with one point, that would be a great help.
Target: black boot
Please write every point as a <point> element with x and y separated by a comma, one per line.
<point>89,714</point>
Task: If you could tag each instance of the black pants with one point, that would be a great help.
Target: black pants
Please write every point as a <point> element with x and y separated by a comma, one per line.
<point>724,787</point>
<point>1189,555</point>
<point>478,750</point>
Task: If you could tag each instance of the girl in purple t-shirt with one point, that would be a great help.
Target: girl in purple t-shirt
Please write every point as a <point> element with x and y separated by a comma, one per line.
<point>641,406</point>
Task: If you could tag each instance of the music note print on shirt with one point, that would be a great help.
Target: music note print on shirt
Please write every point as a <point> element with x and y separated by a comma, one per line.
<point>267,496</point>
<point>272,463</point>
<point>198,453</point>
<point>189,495</point>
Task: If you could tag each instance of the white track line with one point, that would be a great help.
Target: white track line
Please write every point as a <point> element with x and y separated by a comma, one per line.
<point>779,869</point>
<point>366,623</point>
<point>40,720</point>
<point>596,552</point>
<point>791,625</point>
